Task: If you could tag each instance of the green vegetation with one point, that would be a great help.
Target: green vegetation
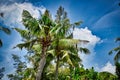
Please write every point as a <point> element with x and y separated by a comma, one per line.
<point>52,51</point>
<point>7,31</point>
<point>117,58</point>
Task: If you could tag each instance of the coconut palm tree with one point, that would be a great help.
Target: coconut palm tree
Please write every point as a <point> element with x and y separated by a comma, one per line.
<point>37,32</point>
<point>63,53</point>
<point>64,44</point>
<point>44,33</point>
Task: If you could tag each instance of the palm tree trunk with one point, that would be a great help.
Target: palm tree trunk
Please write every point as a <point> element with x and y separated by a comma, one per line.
<point>41,64</point>
<point>57,66</point>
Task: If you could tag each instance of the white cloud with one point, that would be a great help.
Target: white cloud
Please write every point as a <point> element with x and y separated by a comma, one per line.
<point>13,13</point>
<point>108,67</point>
<point>86,34</point>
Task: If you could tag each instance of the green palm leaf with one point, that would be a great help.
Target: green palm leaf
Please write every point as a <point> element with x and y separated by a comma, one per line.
<point>67,57</point>
<point>30,23</point>
<point>117,56</point>
<point>27,44</point>
<point>52,52</point>
<point>6,30</point>
<point>78,23</point>
<point>117,49</point>
<point>117,39</point>
<point>24,33</point>
<point>110,52</point>
<point>68,42</point>
<point>84,50</point>
<point>36,48</point>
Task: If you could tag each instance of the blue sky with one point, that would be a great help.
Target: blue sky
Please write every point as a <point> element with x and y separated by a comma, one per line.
<point>100,25</point>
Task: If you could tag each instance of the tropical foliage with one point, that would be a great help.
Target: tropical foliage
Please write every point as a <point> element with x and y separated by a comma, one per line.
<point>117,50</point>
<point>50,37</point>
<point>6,30</point>
<point>117,57</point>
<point>52,51</point>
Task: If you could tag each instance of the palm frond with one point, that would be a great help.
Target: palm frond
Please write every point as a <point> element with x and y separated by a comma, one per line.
<point>26,45</point>
<point>84,50</point>
<point>22,45</point>
<point>46,19</point>
<point>117,39</point>
<point>117,49</point>
<point>36,48</point>
<point>26,14</point>
<point>75,59</point>
<point>73,50</point>
<point>58,30</point>
<point>78,23</point>
<point>52,52</point>
<point>46,13</point>
<point>117,56</point>
<point>24,33</point>
<point>53,29</point>
<point>30,23</point>
<point>67,57</point>
<point>84,41</point>
<point>6,30</point>
<point>68,42</point>
<point>111,52</point>
<point>66,20</point>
